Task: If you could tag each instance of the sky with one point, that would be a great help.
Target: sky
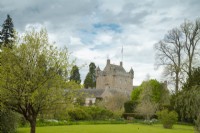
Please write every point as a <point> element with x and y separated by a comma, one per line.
<point>95,30</point>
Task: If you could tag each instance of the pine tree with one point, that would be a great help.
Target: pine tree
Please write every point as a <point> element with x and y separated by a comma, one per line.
<point>90,80</point>
<point>75,75</point>
<point>7,33</point>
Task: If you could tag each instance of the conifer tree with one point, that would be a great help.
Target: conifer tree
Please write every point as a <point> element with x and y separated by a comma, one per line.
<point>75,75</point>
<point>7,34</point>
<point>90,80</point>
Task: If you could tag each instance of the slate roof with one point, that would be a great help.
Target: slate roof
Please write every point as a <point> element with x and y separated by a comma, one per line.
<point>92,92</point>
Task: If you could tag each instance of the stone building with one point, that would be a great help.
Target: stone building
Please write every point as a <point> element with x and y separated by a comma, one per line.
<point>114,77</point>
<point>111,81</point>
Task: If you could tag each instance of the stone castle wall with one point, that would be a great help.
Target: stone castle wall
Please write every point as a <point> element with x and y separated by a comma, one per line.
<point>114,77</point>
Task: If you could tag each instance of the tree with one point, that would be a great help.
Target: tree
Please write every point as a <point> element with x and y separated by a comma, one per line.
<point>191,32</point>
<point>129,106</point>
<point>153,96</point>
<point>146,108</point>
<point>168,53</point>
<point>187,101</point>
<point>177,51</point>
<point>90,80</point>
<point>75,75</point>
<point>153,90</point>
<point>193,80</point>
<point>7,35</point>
<point>115,102</point>
<point>33,75</point>
<point>135,94</point>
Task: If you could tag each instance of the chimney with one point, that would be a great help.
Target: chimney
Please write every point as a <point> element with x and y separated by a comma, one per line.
<point>121,64</point>
<point>108,61</point>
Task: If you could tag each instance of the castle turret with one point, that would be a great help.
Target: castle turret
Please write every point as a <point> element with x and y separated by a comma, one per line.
<point>108,61</point>
<point>132,73</point>
<point>121,63</point>
<point>97,71</point>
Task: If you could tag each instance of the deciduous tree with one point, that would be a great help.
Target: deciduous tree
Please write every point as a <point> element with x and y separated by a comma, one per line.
<point>32,75</point>
<point>178,50</point>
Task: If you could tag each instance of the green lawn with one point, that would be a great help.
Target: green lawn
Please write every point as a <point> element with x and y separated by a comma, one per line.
<point>110,128</point>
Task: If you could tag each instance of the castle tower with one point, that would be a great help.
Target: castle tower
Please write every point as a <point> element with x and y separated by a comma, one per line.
<point>114,77</point>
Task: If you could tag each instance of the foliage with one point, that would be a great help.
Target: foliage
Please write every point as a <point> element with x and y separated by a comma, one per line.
<point>73,85</point>
<point>90,79</point>
<point>33,75</point>
<point>90,113</point>
<point>130,106</point>
<point>98,113</point>
<point>168,119</point>
<point>114,102</point>
<point>153,91</point>
<point>75,75</point>
<point>153,96</point>
<point>136,93</point>
<point>187,101</point>
<point>197,124</point>
<point>7,34</point>
<point>79,114</point>
<point>193,80</point>
<point>8,121</point>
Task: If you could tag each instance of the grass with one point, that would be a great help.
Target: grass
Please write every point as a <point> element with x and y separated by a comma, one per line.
<point>110,128</point>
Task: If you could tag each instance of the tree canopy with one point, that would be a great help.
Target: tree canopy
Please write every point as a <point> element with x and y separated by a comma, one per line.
<point>156,91</point>
<point>75,75</point>
<point>90,80</point>
<point>7,34</point>
<point>187,101</point>
<point>33,75</point>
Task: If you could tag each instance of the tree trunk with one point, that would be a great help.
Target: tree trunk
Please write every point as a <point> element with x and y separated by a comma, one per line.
<point>177,82</point>
<point>33,125</point>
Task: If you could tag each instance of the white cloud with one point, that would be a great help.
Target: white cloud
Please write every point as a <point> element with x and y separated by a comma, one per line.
<point>137,25</point>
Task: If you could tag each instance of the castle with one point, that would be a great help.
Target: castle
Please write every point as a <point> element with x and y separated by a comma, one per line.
<point>114,77</point>
<point>109,82</point>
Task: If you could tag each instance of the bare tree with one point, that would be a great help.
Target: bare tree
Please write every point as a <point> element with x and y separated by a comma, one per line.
<point>115,102</point>
<point>177,51</point>
<point>168,54</point>
<point>147,109</point>
<point>191,33</point>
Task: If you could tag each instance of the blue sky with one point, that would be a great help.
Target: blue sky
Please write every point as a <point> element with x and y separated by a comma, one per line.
<point>94,30</point>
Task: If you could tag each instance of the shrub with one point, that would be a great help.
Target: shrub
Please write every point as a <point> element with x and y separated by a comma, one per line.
<point>90,113</point>
<point>8,121</point>
<point>98,113</point>
<point>197,124</point>
<point>168,119</point>
<point>129,106</point>
<point>79,114</point>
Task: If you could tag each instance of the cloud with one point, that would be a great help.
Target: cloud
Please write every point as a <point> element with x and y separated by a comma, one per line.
<point>94,30</point>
